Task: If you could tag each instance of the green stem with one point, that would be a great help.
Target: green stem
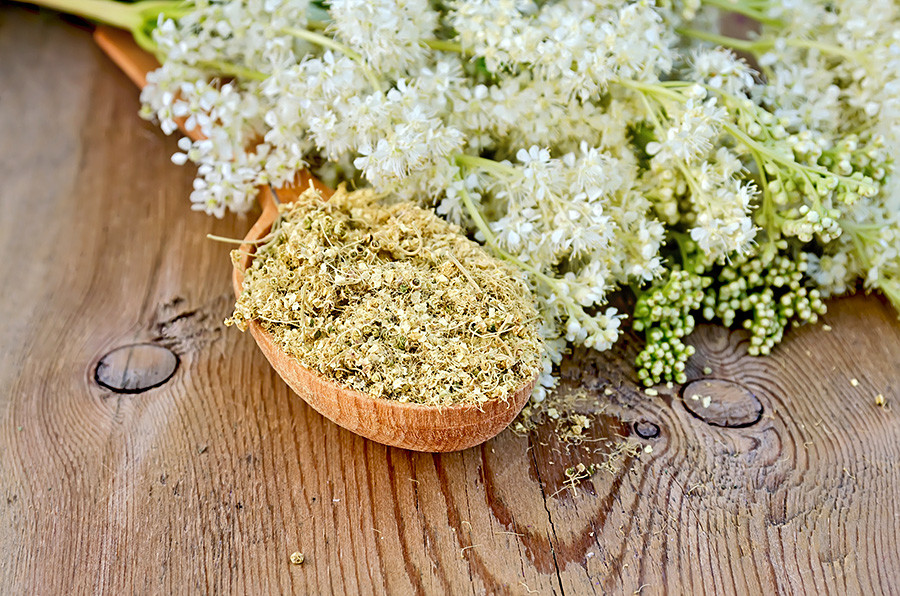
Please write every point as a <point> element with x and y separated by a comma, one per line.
<point>870,231</point>
<point>323,41</point>
<point>108,12</point>
<point>788,162</point>
<point>808,44</point>
<point>891,289</point>
<point>682,241</point>
<point>651,113</point>
<point>482,225</point>
<point>767,209</point>
<point>682,166</point>
<point>849,225</point>
<point>444,45</point>
<point>860,250</point>
<point>233,70</point>
<point>327,42</point>
<point>139,18</point>
<point>484,163</point>
<point>729,42</point>
<point>491,240</point>
<point>660,90</point>
<point>741,8</point>
<point>765,44</point>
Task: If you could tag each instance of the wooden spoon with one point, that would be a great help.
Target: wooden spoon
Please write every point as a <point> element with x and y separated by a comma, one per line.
<point>410,426</point>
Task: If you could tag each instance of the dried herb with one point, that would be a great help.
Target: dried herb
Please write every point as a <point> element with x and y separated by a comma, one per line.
<point>392,301</point>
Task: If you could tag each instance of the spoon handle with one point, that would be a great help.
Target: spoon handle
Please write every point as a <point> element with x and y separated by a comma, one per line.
<point>134,61</point>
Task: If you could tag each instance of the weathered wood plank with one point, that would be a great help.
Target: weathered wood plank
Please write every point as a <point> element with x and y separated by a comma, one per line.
<point>208,482</point>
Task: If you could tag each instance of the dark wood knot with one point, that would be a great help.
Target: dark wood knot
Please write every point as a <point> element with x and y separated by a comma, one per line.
<point>646,429</point>
<point>136,368</point>
<point>718,402</point>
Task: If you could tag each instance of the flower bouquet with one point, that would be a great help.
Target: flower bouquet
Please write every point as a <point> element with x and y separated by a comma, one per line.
<point>740,174</point>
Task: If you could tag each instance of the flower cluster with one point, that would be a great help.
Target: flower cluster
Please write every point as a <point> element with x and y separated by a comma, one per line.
<point>766,291</point>
<point>763,291</point>
<point>665,315</point>
<point>579,140</point>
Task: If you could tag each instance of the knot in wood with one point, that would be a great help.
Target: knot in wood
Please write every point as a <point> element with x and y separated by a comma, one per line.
<point>646,429</point>
<point>136,368</point>
<point>718,402</point>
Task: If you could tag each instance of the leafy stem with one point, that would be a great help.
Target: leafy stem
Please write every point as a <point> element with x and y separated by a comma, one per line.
<point>326,42</point>
<point>672,90</point>
<point>783,160</point>
<point>444,45</point>
<point>491,240</point>
<point>762,45</point>
<point>441,45</point>
<point>139,18</point>
<point>232,70</point>
<point>572,308</point>
<point>483,163</point>
<point>749,8</point>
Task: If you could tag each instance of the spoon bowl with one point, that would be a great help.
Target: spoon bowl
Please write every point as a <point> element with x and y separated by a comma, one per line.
<point>406,425</point>
<point>410,426</point>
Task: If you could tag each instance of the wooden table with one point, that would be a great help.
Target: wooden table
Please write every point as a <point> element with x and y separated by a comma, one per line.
<point>788,482</point>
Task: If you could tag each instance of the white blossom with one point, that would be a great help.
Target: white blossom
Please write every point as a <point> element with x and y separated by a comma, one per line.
<point>578,138</point>
<point>388,33</point>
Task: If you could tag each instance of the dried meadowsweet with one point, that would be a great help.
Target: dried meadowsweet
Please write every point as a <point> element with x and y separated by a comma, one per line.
<point>392,301</point>
<point>570,412</point>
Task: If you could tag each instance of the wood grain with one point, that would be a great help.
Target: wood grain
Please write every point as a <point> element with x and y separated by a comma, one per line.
<point>207,483</point>
<point>136,368</point>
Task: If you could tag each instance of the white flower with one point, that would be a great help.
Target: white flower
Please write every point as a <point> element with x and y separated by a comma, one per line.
<point>583,133</point>
<point>388,33</point>
<point>722,70</point>
<point>692,136</point>
<point>830,272</point>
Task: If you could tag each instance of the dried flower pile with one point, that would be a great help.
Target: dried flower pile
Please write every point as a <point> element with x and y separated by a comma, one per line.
<point>595,145</point>
<point>392,301</point>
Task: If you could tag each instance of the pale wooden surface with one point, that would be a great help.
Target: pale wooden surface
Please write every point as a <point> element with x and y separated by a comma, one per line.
<point>208,482</point>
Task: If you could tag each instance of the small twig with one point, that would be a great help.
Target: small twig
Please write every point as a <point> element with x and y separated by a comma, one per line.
<point>462,552</point>
<point>262,240</point>
<point>464,271</point>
